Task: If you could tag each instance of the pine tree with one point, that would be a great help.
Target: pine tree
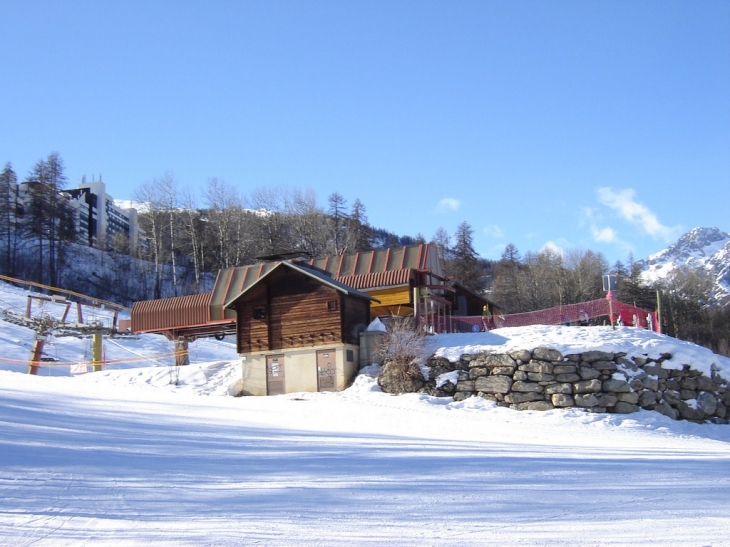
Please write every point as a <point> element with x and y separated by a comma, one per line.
<point>358,227</point>
<point>337,205</point>
<point>463,264</point>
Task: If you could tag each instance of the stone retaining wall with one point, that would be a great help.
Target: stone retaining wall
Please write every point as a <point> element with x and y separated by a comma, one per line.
<point>597,381</point>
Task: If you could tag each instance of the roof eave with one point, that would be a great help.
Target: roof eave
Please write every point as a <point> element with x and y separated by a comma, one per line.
<point>309,273</point>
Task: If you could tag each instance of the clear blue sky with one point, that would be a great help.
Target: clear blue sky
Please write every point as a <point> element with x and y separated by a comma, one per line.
<point>601,125</point>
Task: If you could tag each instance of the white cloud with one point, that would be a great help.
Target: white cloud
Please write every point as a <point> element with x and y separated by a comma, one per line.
<point>601,233</point>
<point>623,202</point>
<point>557,247</point>
<point>493,231</point>
<point>446,205</point>
<point>604,235</point>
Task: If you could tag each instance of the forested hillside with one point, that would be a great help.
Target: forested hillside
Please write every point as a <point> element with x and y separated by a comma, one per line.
<point>186,243</point>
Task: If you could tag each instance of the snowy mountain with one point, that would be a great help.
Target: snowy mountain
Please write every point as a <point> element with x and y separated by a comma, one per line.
<point>701,248</point>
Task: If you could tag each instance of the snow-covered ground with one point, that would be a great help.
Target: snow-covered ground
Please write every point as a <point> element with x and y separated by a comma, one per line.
<point>148,454</point>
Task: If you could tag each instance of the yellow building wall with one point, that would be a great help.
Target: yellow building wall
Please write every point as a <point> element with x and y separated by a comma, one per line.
<point>392,297</point>
<point>396,300</point>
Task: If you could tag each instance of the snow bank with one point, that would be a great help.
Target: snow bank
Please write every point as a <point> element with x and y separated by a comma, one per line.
<point>569,340</point>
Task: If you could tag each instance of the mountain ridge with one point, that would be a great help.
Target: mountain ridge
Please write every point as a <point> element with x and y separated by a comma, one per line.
<point>702,248</point>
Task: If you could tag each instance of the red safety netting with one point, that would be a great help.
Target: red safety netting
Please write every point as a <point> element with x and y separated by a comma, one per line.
<point>585,313</point>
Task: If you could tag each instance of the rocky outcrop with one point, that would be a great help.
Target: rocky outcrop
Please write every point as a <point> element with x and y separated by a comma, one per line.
<point>396,378</point>
<point>596,381</point>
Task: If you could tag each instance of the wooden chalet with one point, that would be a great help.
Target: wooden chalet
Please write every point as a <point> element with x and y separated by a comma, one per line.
<point>297,329</point>
<point>403,281</point>
<point>297,322</point>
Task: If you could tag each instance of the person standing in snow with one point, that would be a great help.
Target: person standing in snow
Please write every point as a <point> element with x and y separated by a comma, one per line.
<point>583,316</point>
<point>486,317</point>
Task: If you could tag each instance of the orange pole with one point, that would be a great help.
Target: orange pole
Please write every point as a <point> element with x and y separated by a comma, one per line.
<point>37,353</point>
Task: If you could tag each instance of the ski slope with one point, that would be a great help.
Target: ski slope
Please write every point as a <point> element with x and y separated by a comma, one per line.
<point>165,456</point>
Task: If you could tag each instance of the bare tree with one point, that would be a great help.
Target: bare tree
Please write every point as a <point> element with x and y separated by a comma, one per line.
<point>152,221</point>
<point>224,208</point>
<point>442,240</point>
<point>192,237</point>
<point>308,223</point>
<point>585,271</point>
<point>8,207</point>
<point>506,289</point>
<point>168,191</point>
<point>542,280</point>
<point>687,304</point>
<point>270,205</point>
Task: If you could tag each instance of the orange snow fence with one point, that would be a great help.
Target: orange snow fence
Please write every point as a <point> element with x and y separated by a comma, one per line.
<point>84,363</point>
<point>585,313</point>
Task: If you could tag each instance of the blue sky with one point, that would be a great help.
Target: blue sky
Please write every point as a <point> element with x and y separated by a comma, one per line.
<point>590,125</point>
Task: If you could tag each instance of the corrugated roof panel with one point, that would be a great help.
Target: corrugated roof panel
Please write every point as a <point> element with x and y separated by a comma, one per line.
<point>425,256</point>
<point>238,282</point>
<point>234,281</point>
<point>397,260</point>
<point>367,265</point>
<point>348,265</point>
<point>387,265</point>
<point>411,256</point>
<point>220,289</point>
<point>320,263</point>
<point>379,260</point>
<point>378,279</point>
<point>430,260</point>
<point>170,313</point>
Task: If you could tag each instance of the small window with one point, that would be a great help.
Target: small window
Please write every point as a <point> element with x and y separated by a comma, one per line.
<point>349,355</point>
<point>259,313</point>
<point>332,305</point>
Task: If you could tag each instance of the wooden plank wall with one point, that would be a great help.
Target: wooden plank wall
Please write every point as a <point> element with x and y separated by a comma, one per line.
<point>252,334</point>
<point>297,315</point>
<point>301,315</point>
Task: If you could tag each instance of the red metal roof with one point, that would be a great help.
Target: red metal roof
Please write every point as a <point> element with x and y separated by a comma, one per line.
<point>171,313</point>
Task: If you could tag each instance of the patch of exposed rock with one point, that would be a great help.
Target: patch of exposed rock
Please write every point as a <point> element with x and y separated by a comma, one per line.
<point>597,381</point>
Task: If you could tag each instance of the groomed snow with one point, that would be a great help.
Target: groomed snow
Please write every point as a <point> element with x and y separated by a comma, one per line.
<point>158,455</point>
